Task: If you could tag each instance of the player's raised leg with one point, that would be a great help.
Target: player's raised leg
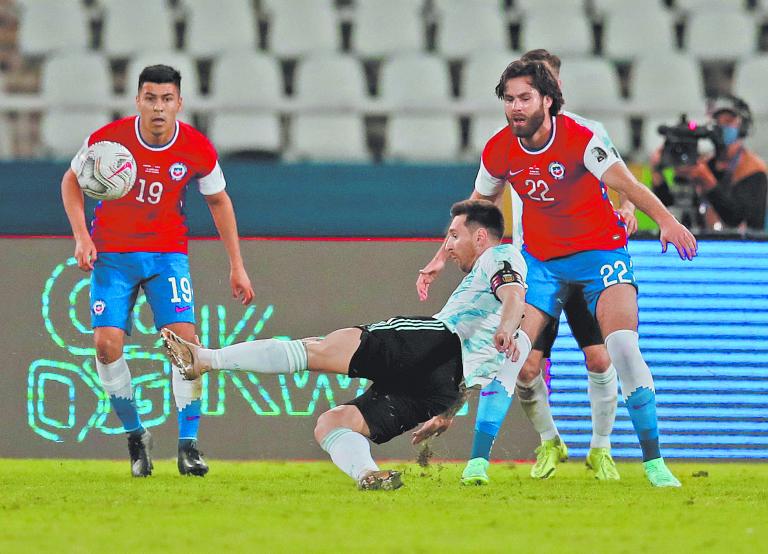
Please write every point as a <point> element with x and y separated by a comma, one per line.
<point>617,315</point>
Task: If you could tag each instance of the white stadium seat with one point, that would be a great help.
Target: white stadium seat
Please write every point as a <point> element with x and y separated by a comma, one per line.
<point>591,85</point>
<point>698,6</point>
<point>631,30</point>
<point>750,82</point>
<point>213,27</point>
<point>482,128</point>
<point>64,130</point>
<point>76,79</point>
<point>384,28</point>
<point>301,27</point>
<point>415,82</point>
<point>619,130</point>
<point>49,25</point>
<point>331,81</point>
<point>238,132</point>
<point>479,78</point>
<point>423,138</point>
<point>716,35</point>
<point>135,26</point>
<point>329,137</point>
<point>666,84</point>
<point>489,28</point>
<point>564,32</point>
<point>246,80</point>
<point>532,6</point>
<point>190,80</point>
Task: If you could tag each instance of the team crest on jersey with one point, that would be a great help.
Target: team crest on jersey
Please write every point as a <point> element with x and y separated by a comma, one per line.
<point>178,171</point>
<point>557,170</point>
<point>98,307</point>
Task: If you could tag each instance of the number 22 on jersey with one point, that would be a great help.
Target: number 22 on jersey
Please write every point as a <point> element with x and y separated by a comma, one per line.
<point>538,190</point>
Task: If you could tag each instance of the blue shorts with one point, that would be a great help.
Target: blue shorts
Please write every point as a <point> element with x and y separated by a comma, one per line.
<point>593,270</point>
<point>164,276</point>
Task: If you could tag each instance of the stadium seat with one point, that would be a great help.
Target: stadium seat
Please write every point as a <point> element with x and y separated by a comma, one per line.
<point>479,78</point>
<point>64,130</point>
<point>301,27</point>
<point>323,137</point>
<point>532,6</point>
<point>564,32</point>
<point>246,80</point>
<point>415,82</point>
<point>481,128</point>
<point>213,27</point>
<point>384,28</point>
<point>591,85</point>
<point>190,80</point>
<point>49,25</point>
<point>758,137</point>
<point>750,82</point>
<point>634,29</point>
<point>720,35</point>
<point>698,6</point>
<point>76,79</point>
<point>423,138</point>
<point>619,130</point>
<point>233,132</point>
<point>489,29</point>
<point>334,81</point>
<point>669,84</point>
<point>120,38</point>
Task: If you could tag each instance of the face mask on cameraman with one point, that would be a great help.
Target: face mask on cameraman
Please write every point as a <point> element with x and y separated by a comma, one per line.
<point>730,133</point>
<point>737,115</point>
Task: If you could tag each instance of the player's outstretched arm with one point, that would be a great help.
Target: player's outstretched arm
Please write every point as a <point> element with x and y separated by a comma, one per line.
<point>224,218</point>
<point>619,178</point>
<point>512,307</point>
<point>74,206</point>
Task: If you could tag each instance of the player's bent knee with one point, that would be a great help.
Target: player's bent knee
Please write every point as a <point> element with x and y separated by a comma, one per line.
<point>340,416</point>
<point>108,347</point>
<point>530,370</point>
<point>597,359</point>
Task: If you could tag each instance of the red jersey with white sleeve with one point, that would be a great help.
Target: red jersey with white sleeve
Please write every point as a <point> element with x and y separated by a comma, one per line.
<point>150,217</point>
<point>566,208</point>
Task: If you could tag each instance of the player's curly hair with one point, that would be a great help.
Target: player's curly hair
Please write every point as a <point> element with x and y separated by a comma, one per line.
<point>541,79</point>
<point>481,213</point>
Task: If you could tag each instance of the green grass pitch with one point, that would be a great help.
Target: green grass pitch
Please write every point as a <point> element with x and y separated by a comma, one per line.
<point>306,507</point>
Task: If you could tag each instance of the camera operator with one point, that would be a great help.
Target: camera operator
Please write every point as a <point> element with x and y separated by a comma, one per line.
<point>733,180</point>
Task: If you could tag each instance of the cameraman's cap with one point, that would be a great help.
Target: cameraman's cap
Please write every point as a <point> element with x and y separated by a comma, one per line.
<point>729,103</point>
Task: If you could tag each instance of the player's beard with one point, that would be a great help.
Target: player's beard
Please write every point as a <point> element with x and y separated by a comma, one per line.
<point>534,122</point>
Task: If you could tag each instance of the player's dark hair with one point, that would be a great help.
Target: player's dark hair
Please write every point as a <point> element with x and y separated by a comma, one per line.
<point>481,213</point>
<point>541,79</point>
<point>545,56</point>
<point>160,74</point>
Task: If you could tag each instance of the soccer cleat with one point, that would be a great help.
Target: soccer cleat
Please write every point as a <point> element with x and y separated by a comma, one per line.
<point>476,472</point>
<point>548,455</point>
<point>140,450</point>
<point>659,475</point>
<point>385,480</point>
<point>600,461</point>
<point>190,460</point>
<point>183,354</point>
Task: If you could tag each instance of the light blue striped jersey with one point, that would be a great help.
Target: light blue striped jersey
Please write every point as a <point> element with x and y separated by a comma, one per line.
<point>473,312</point>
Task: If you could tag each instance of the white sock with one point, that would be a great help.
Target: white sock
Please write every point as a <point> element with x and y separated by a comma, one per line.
<point>261,356</point>
<point>534,400</point>
<point>184,392</point>
<point>350,451</point>
<point>115,377</point>
<point>603,394</point>
<point>624,349</point>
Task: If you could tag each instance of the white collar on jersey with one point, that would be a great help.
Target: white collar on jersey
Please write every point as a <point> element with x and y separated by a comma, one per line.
<point>549,142</point>
<point>148,146</point>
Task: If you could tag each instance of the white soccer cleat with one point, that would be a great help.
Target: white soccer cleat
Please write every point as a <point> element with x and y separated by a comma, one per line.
<point>183,354</point>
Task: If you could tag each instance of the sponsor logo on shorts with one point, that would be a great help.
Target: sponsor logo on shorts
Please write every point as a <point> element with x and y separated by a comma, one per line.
<point>98,307</point>
<point>178,171</point>
<point>557,170</point>
<point>488,392</point>
<point>180,309</point>
<point>599,154</point>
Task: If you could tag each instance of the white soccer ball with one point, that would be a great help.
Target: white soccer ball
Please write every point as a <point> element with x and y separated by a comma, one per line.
<point>108,171</point>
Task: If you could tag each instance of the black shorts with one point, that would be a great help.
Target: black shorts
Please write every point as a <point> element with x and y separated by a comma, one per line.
<point>415,366</point>
<point>583,325</point>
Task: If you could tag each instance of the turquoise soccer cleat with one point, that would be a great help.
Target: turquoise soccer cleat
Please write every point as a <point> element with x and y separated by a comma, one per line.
<point>476,472</point>
<point>659,475</point>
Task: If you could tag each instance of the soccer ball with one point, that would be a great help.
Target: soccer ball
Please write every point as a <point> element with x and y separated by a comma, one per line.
<point>108,171</point>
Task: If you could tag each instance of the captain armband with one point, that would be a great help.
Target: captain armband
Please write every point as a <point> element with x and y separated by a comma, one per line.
<point>506,276</point>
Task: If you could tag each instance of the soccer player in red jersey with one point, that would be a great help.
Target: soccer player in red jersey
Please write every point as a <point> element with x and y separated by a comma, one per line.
<point>140,240</point>
<point>572,236</point>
